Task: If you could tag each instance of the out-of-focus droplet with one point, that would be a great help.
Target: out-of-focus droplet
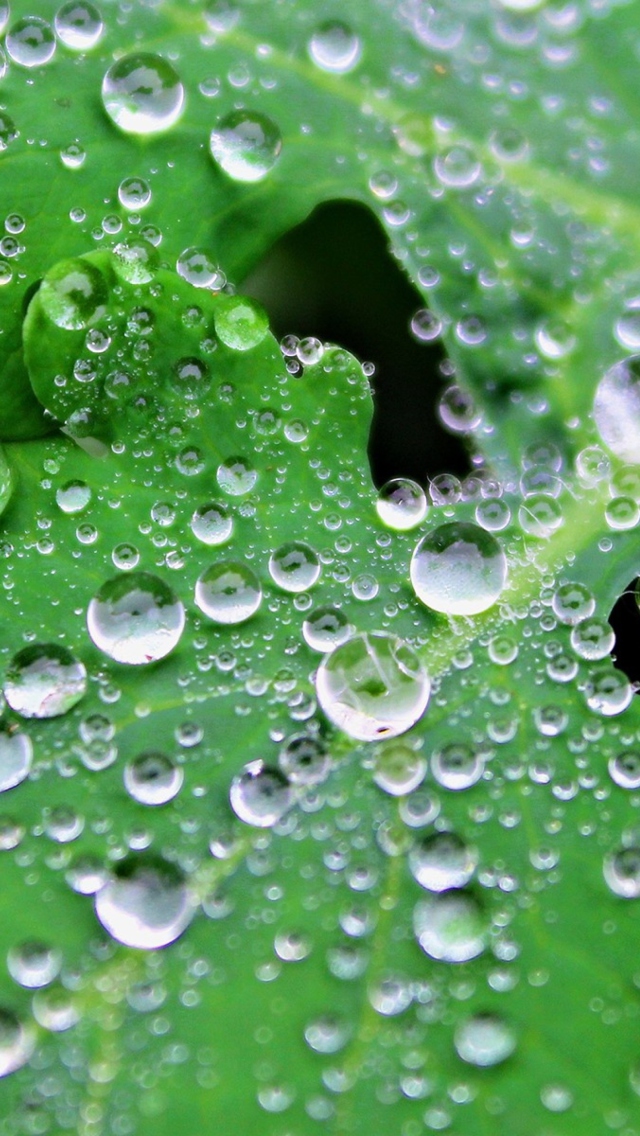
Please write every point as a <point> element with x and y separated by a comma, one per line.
<point>44,680</point>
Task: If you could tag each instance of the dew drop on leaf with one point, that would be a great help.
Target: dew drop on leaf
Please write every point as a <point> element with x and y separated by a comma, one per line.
<point>17,1043</point>
<point>228,592</point>
<point>135,618</point>
<point>304,760</point>
<point>593,639</point>
<point>442,861</point>
<point>73,496</point>
<point>294,567</point>
<point>240,323</point>
<point>373,686</point>
<point>572,602</point>
<point>8,132</point>
<point>135,261</point>
<point>134,193</point>
<point>449,926</point>
<point>78,25</point>
<point>33,964</point>
<point>44,680</point>
<point>196,266</point>
<point>153,779</point>
<point>334,47</point>
<point>458,569</point>
<point>146,903</point>
<point>260,795</point>
<point>627,327</point>
<point>398,769</point>
<point>212,523</point>
<point>401,504</point>
<point>624,769</point>
<point>484,1040</point>
<point>16,756</point>
<point>30,42</point>
<point>73,294</point>
<point>616,409</point>
<point>457,766</point>
<point>236,476</point>
<point>246,145</point>
<point>142,93</point>
<point>326,628</point>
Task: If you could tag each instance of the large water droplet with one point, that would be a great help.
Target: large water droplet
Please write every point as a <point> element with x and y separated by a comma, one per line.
<point>33,965</point>
<point>135,618</point>
<point>334,47</point>
<point>484,1040</point>
<point>30,42</point>
<point>326,628</point>
<point>240,323</point>
<point>236,476</point>
<point>373,686</point>
<point>73,496</point>
<point>74,294</point>
<point>246,145</point>
<point>44,680</point>
<point>458,569</point>
<point>228,592</point>
<point>616,409</point>
<point>260,795</point>
<point>16,755</point>
<point>450,927</point>
<point>624,769</point>
<point>153,779</point>
<point>142,93</point>
<point>212,523</point>
<point>442,861</point>
<point>294,567</point>
<point>146,903</point>
<point>78,25</point>
<point>622,872</point>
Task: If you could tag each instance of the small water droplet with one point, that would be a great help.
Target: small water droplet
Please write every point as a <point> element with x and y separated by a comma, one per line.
<point>17,1043</point>
<point>326,628</point>
<point>236,476</point>
<point>16,756</point>
<point>294,567</point>
<point>624,769</point>
<point>484,1040</point>
<point>73,497</point>
<point>449,926</point>
<point>304,760</point>
<point>442,861</point>
<point>457,766</point>
<point>240,323</point>
<point>78,25</point>
<point>33,965</point>
<point>8,131</point>
<point>142,93</point>
<point>135,618</point>
<point>616,409</point>
<point>135,261</point>
<point>212,523</point>
<point>398,769</point>
<point>260,795</point>
<point>401,504</point>
<point>153,779</point>
<point>134,193</point>
<point>196,266</point>
<point>246,145</point>
<point>334,47</point>
<point>30,42</point>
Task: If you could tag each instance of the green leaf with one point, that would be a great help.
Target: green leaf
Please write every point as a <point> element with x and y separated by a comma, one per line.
<point>428,931</point>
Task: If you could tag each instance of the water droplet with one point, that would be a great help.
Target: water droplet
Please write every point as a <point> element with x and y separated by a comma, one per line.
<point>334,47</point>
<point>608,692</point>
<point>17,1043</point>
<point>401,504</point>
<point>457,168</point>
<point>425,325</point>
<point>616,409</point>
<point>228,592</point>
<point>30,42</point>
<point>621,871</point>
<point>484,1040</point>
<point>593,639</point>
<point>304,760</point>
<point>240,323</point>
<point>398,769</point>
<point>190,376</point>
<point>458,569</point>
<point>373,686</point>
<point>74,294</point>
<point>622,513</point>
<point>212,523</point>
<point>54,1009</point>
<point>153,779</point>
<point>142,93</point>
<point>260,795</point>
<point>16,756</point>
<point>449,926</point>
<point>327,1034</point>
<point>136,262</point>
<point>442,861</point>
<point>135,618</point>
<point>294,567</point>
<point>246,145</point>
<point>326,628</point>
<point>457,766</point>
<point>78,25</point>
<point>87,875</point>
<point>44,681</point>
<point>572,603</point>
<point>627,327</point>
<point>624,769</point>
<point>197,268</point>
<point>8,131</point>
<point>146,903</point>
<point>73,497</point>
<point>33,965</point>
<point>236,476</point>
<point>557,1098</point>
<point>125,557</point>
<point>540,516</point>
<point>309,351</point>
<point>134,193</point>
<point>292,946</point>
<point>493,514</point>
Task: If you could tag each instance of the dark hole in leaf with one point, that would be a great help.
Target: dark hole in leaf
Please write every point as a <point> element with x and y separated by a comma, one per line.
<point>333,277</point>
<point>625,620</point>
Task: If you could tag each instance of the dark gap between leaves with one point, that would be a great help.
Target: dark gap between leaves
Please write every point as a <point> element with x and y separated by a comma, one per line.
<point>625,620</point>
<point>333,277</point>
